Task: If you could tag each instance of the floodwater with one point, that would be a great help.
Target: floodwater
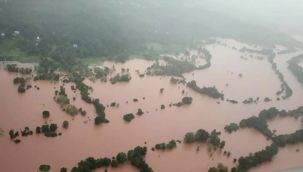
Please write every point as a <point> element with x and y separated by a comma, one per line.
<point>83,139</point>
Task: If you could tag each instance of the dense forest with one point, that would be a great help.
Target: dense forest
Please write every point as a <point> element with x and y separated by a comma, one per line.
<point>116,29</point>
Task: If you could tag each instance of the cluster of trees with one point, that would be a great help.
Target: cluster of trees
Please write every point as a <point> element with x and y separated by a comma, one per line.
<point>101,73</point>
<point>270,113</point>
<point>166,146</point>
<point>207,56</point>
<point>232,127</point>
<point>15,68</point>
<point>13,135</point>
<point>121,78</point>
<point>250,100</point>
<point>220,168</point>
<point>265,155</point>
<point>295,68</point>
<point>185,101</point>
<point>200,136</point>
<point>100,109</point>
<point>257,123</point>
<point>26,132</point>
<point>82,111</point>
<point>91,36</point>
<point>62,99</point>
<point>174,80</point>
<point>260,122</point>
<point>49,130</point>
<point>135,156</point>
<point>173,67</point>
<point>128,117</point>
<point>21,81</point>
<point>267,99</point>
<point>82,87</point>
<point>209,91</point>
<point>77,78</point>
<point>46,70</point>
<point>284,86</point>
<point>296,137</point>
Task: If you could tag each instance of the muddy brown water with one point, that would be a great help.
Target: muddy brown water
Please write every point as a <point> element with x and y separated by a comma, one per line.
<point>83,139</point>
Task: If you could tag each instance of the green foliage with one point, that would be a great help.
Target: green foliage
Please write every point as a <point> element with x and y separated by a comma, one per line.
<point>128,117</point>
<point>121,157</point>
<point>140,112</point>
<point>47,70</point>
<point>270,113</point>
<point>232,127</point>
<point>65,124</point>
<point>63,169</point>
<point>187,100</point>
<point>62,100</point>
<point>135,156</point>
<point>19,80</point>
<point>163,146</point>
<point>296,137</point>
<point>265,155</point>
<point>101,73</point>
<point>295,68</point>
<point>15,68</point>
<point>114,163</point>
<point>258,123</point>
<point>100,119</point>
<point>209,91</point>
<point>45,114</point>
<point>120,78</point>
<point>44,168</point>
<point>220,168</point>
<point>21,88</point>
<point>201,135</point>
<point>173,67</point>
<point>49,130</point>
<point>284,86</point>
<point>71,110</point>
<point>189,137</point>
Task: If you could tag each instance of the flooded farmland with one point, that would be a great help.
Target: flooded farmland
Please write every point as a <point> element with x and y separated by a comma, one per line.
<point>239,75</point>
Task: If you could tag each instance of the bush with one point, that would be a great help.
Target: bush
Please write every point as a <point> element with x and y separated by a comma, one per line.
<point>65,124</point>
<point>121,157</point>
<point>45,114</point>
<point>187,100</point>
<point>231,127</point>
<point>128,117</point>
<point>100,119</point>
<point>201,135</point>
<point>189,137</point>
<point>44,168</point>
<point>140,112</point>
<point>71,110</point>
<point>63,169</point>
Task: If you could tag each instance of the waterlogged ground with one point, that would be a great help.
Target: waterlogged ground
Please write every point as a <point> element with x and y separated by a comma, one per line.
<point>83,139</point>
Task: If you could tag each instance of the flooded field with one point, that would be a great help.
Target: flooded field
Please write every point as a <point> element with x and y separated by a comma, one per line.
<point>236,77</point>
